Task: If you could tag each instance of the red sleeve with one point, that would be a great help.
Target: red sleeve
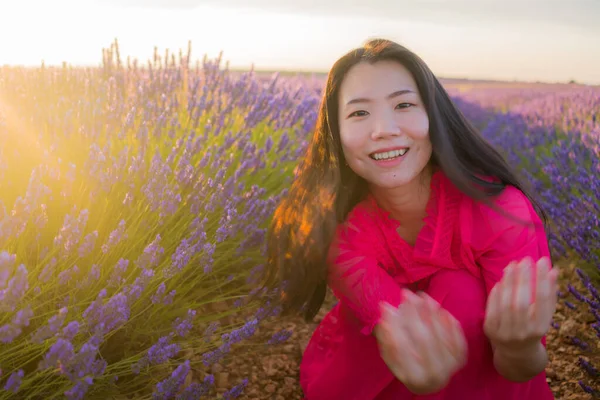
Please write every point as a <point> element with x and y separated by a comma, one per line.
<point>502,239</point>
<point>355,275</point>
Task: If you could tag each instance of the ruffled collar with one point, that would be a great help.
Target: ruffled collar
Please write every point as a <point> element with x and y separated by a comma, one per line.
<point>434,241</point>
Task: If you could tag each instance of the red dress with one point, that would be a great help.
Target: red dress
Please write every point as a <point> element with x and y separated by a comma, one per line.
<point>457,258</point>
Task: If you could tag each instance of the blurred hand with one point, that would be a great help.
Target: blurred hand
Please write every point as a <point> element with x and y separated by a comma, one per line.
<point>516,319</point>
<point>421,343</point>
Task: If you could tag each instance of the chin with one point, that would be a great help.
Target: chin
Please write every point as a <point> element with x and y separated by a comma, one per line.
<point>392,182</point>
<point>396,179</point>
<point>392,178</point>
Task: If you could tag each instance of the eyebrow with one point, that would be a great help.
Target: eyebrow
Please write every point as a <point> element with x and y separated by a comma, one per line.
<point>390,96</point>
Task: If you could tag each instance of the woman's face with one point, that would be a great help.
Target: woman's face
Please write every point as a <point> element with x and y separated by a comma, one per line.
<point>384,127</point>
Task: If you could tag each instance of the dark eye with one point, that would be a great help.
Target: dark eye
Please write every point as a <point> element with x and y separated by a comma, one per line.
<point>360,113</point>
<point>404,105</point>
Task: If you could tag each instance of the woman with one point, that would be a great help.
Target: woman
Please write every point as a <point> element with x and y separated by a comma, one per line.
<point>425,235</point>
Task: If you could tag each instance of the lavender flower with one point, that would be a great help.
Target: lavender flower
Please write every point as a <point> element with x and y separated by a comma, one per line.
<point>183,325</point>
<point>180,258</point>
<point>103,318</point>
<point>115,237</point>
<point>281,336</point>
<point>151,255</point>
<point>15,290</point>
<point>70,233</point>
<point>54,324</point>
<point>70,331</point>
<point>236,391</point>
<point>14,381</point>
<point>116,277</point>
<point>210,330</point>
<point>588,367</point>
<point>197,390</point>
<point>87,244</point>
<point>157,354</point>
<point>170,386</point>
<point>7,262</point>
<point>8,332</point>
<point>60,352</point>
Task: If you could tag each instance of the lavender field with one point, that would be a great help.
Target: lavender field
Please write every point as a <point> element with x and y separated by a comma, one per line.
<point>134,199</point>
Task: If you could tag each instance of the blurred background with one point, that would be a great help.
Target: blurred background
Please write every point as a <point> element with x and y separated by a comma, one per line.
<point>533,40</point>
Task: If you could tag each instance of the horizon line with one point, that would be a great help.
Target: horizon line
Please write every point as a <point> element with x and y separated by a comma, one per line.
<point>316,71</point>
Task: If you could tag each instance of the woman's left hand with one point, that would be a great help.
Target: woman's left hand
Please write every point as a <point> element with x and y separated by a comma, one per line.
<point>513,321</point>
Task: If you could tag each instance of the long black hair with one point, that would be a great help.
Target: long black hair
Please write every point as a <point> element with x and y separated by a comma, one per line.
<point>325,189</point>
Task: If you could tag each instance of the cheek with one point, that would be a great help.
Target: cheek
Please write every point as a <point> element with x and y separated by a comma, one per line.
<point>352,141</point>
<point>423,154</point>
<point>419,131</point>
<point>419,126</point>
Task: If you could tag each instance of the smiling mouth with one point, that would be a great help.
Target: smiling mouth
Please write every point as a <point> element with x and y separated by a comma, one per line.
<point>388,155</point>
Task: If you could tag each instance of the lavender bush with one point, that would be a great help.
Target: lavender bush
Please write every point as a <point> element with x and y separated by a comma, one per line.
<point>133,206</point>
<point>553,134</point>
<point>554,138</point>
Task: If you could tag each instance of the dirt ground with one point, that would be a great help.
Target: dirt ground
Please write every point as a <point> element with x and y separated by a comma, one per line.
<point>273,370</point>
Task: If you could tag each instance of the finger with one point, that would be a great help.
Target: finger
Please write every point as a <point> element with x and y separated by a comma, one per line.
<point>491,323</point>
<point>390,325</point>
<point>388,312</point>
<point>553,276</point>
<point>415,327</point>
<point>405,362</point>
<point>544,304</point>
<point>389,338</point>
<point>448,352</point>
<point>439,330</point>
<point>427,306</point>
<point>439,360</point>
<point>387,319</point>
<point>458,341</point>
<point>505,292</point>
<point>522,291</point>
<point>554,270</point>
<point>436,351</point>
<point>396,358</point>
<point>408,318</point>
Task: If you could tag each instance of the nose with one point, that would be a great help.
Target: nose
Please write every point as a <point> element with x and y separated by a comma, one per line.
<point>385,125</point>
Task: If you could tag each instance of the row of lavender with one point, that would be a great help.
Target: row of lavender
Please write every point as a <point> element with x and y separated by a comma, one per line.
<point>133,208</point>
<point>553,134</point>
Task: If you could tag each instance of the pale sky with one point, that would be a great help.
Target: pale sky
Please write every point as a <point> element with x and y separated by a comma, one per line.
<point>546,40</point>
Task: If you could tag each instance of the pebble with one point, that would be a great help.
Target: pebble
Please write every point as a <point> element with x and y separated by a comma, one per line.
<point>270,388</point>
<point>222,380</point>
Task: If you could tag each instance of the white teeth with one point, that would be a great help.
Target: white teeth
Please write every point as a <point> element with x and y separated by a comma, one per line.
<point>389,154</point>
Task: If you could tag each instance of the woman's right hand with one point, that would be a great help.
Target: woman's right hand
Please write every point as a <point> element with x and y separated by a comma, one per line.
<point>421,343</point>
